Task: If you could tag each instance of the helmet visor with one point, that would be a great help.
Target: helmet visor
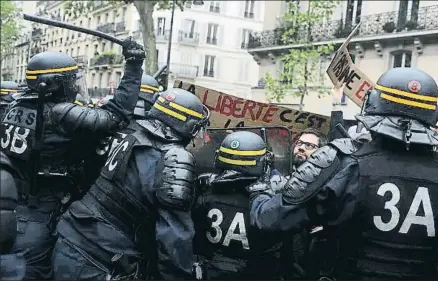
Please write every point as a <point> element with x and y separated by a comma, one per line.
<point>80,86</point>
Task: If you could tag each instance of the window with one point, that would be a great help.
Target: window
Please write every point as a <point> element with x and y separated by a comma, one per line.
<point>103,47</point>
<point>249,9</point>
<point>189,28</point>
<point>161,25</point>
<point>402,59</point>
<point>209,66</point>
<point>215,6</point>
<point>212,34</point>
<point>78,51</point>
<point>188,4</point>
<point>353,13</point>
<point>408,11</point>
<point>245,38</point>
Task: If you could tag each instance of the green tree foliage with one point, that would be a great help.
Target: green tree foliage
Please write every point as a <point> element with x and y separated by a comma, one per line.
<point>145,9</point>
<point>10,26</point>
<point>301,62</point>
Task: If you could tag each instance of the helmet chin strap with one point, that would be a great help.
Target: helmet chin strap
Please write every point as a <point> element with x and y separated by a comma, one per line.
<point>408,132</point>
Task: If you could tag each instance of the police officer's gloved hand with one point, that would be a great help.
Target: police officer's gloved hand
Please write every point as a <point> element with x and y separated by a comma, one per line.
<point>133,51</point>
<point>260,187</point>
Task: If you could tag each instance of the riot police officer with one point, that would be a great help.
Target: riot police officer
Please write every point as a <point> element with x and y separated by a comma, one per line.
<point>379,200</point>
<point>12,266</point>
<point>7,90</point>
<point>58,162</point>
<point>229,249</point>
<point>148,93</point>
<point>135,220</point>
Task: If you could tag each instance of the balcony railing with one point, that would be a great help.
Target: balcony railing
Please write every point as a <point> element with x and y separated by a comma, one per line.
<point>106,28</point>
<point>162,36</point>
<point>372,25</point>
<point>120,27</point>
<point>191,38</point>
<point>36,33</point>
<point>106,60</point>
<point>82,60</point>
<point>212,40</point>
<point>182,70</point>
<point>248,15</point>
<point>208,73</point>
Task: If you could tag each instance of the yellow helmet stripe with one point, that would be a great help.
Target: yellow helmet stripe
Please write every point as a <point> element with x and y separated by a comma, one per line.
<point>146,91</point>
<point>149,87</point>
<point>4,93</point>
<point>242,153</point>
<point>170,112</point>
<point>79,103</point>
<point>91,105</point>
<point>181,108</point>
<point>9,90</point>
<point>51,70</point>
<point>236,162</point>
<point>407,102</point>
<point>407,94</point>
<point>31,77</point>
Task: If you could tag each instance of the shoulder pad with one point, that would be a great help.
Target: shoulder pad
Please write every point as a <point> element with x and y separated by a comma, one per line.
<point>347,146</point>
<point>277,182</point>
<point>71,117</point>
<point>176,179</point>
<point>310,177</point>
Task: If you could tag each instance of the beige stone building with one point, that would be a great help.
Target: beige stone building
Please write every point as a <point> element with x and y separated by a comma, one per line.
<point>400,33</point>
<point>208,44</point>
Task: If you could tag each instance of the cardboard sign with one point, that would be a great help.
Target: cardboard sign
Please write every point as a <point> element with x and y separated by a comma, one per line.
<point>342,71</point>
<point>230,111</point>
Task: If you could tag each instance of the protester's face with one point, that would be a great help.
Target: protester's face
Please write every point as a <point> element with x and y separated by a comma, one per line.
<point>304,147</point>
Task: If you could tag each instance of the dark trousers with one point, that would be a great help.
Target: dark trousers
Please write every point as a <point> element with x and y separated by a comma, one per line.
<point>35,241</point>
<point>12,267</point>
<point>69,264</point>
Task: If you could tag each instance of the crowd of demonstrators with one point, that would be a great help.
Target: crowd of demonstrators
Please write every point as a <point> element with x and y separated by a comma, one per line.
<point>110,192</point>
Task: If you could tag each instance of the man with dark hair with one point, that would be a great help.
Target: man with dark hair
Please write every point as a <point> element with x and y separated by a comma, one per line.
<point>308,141</point>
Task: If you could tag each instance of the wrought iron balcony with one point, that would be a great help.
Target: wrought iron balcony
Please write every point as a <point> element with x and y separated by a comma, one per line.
<point>98,92</point>
<point>182,70</point>
<point>106,60</point>
<point>162,35</point>
<point>209,73</point>
<point>36,33</point>
<point>372,25</point>
<point>106,28</point>
<point>99,4</point>
<point>120,27</point>
<point>212,40</point>
<point>244,45</point>
<point>248,15</point>
<point>190,38</point>
<point>81,60</point>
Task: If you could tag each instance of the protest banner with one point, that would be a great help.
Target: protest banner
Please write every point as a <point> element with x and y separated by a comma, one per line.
<point>342,71</point>
<point>231,111</point>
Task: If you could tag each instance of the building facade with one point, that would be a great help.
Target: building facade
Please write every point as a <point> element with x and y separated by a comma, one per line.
<point>209,43</point>
<point>402,33</point>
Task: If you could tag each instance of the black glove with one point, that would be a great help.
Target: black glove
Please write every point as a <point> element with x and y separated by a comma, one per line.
<point>260,187</point>
<point>132,50</point>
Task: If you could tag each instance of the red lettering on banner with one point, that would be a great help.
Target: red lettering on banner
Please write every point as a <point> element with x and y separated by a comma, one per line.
<point>269,113</point>
<point>227,103</point>
<point>204,100</point>
<point>237,102</point>
<point>261,107</point>
<point>249,105</point>
<point>364,87</point>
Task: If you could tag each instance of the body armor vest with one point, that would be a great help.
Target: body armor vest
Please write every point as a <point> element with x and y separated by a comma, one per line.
<point>394,230</point>
<point>118,204</point>
<point>223,233</point>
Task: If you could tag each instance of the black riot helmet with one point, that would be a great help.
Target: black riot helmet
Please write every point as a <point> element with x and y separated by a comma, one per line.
<point>242,151</point>
<point>147,96</point>
<point>404,92</point>
<point>61,74</point>
<point>8,89</point>
<point>182,111</point>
